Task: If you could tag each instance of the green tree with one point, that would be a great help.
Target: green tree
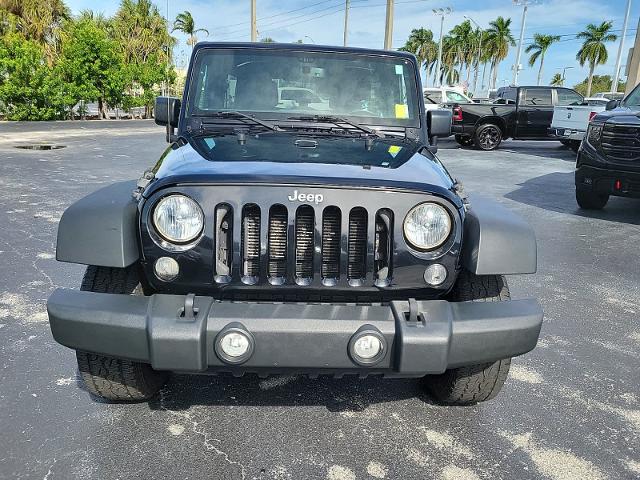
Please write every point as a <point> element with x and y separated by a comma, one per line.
<point>38,20</point>
<point>267,40</point>
<point>461,47</point>
<point>557,80</point>
<point>539,47</point>
<point>141,33</point>
<point>422,45</point>
<point>91,62</point>
<point>30,89</point>
<point>499,39</point>
<point>184,23</point>
<point>599,83</point>
<point>593,50</point>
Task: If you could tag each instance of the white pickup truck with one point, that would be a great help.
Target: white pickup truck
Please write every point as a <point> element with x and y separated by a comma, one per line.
<point>569,123</point>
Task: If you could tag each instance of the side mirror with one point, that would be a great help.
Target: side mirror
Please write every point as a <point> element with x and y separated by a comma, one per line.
<point>439,123</point>
<point>167,111</point>
<point>611,104</point>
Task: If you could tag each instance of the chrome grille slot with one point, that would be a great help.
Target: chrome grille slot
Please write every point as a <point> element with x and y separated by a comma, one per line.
<point>250,244</point>
<point>331,219</point>
<point>383,247</point>
<point>357,264</point>
<point>223,243</point>
<point>304,239</point>
<point>277,237</point>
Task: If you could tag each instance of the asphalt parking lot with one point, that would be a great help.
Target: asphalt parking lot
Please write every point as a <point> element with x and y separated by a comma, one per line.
<point>569,410</point>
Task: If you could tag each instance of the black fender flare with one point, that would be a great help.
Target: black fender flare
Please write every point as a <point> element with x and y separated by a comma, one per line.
<point>497,241</point>
<point>101,228</point>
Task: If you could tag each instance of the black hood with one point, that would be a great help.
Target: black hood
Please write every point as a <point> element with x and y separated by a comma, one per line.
<point>288,158</point>
<point>620,115</point>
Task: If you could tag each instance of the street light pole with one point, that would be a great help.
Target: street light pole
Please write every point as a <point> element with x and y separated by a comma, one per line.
<point>346,22</point>
<point>564,70</point>
<point>616,76</point>
<point>388,29</point>
<point>516,67</point>
<point>442,12</point>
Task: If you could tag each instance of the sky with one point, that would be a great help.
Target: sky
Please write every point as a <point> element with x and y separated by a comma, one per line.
<point>322,21</point>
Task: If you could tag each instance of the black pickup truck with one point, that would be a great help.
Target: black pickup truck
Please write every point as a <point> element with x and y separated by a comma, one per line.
<point>608,161</point>
<point>521,113</point>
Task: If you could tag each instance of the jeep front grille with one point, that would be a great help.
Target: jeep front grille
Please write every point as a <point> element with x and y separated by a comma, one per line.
<point>621,143</point>
<point>304,246</point>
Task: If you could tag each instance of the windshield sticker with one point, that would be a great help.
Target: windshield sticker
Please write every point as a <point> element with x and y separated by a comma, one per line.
<point>394,150</point>
<point>399,70</point>
<point>402,110</point>
<point>210,142</point>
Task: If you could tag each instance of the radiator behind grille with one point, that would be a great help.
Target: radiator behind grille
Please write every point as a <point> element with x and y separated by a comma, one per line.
<point>299,251</point>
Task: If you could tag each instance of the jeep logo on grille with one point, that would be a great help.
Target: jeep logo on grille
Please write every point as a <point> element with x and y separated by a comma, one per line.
<point>306,197</point>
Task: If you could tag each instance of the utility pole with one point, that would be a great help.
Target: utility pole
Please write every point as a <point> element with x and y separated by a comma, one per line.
<point>346,22</point>
<point>525,4</point>
<point>254,23</point>
<point>388,29</point>
<point>616,75</point>
<point>442,12</point>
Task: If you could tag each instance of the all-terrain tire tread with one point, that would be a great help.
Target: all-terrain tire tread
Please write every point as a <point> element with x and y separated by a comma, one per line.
<point>113,378</point>
<point>471,384</point>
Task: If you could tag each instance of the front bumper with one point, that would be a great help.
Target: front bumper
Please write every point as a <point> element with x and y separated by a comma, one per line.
<point>608,181</point>
<point>566,134</point>
<point>423,337</point>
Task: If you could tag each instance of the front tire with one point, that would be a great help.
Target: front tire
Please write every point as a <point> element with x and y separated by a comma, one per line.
<point>590,200</point>
<point>472,384</point>
<point>111,378</point>
<point>488,137</point>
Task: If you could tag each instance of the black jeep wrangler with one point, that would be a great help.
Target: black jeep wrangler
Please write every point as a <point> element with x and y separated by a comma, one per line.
<point>298,222</point>
<point>608,161</point>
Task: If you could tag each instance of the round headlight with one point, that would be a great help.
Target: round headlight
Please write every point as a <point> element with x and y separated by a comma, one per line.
<point>427,226</point>
<point>178,219</point>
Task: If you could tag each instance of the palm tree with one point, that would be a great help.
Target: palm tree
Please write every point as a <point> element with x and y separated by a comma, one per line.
<point>593,50</point>
<point>539,47</point>
<point>422,45</point>
<point>184,22</point>
<point>462,41</point>
<point>39,20</point>
<point>499,39</point>
<point>556,80</point>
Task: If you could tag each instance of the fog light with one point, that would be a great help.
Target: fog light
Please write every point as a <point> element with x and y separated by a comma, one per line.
<point>435,274</point>
<point>166,268</point>
<point>234,345</point>
<point>367,347</point>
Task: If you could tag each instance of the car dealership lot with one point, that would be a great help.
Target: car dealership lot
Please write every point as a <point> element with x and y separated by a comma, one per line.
<point>570,409</point>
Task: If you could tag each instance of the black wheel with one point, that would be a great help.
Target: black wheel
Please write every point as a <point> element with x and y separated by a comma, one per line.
<point>464,140</point>
<point>488,137</point>
<point>471,384</point>
<point>590,200</point>
<point>566,143</point>
<point>112,378</point>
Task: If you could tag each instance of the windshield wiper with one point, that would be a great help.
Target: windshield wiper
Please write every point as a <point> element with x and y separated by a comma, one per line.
<point>337,121</point>
<point>241,116</point>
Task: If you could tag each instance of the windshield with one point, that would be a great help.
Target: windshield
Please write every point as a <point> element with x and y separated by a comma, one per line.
<point>276,84</point>
<point>633,100</point>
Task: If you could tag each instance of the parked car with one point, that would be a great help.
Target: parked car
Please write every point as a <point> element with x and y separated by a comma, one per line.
<point>443,96</point>
<point>298,98</point>
<point>608,161</point>
<point>569,123</point>
<point>610,95</point>
<point>521,113</point>
<point>266,241</point>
